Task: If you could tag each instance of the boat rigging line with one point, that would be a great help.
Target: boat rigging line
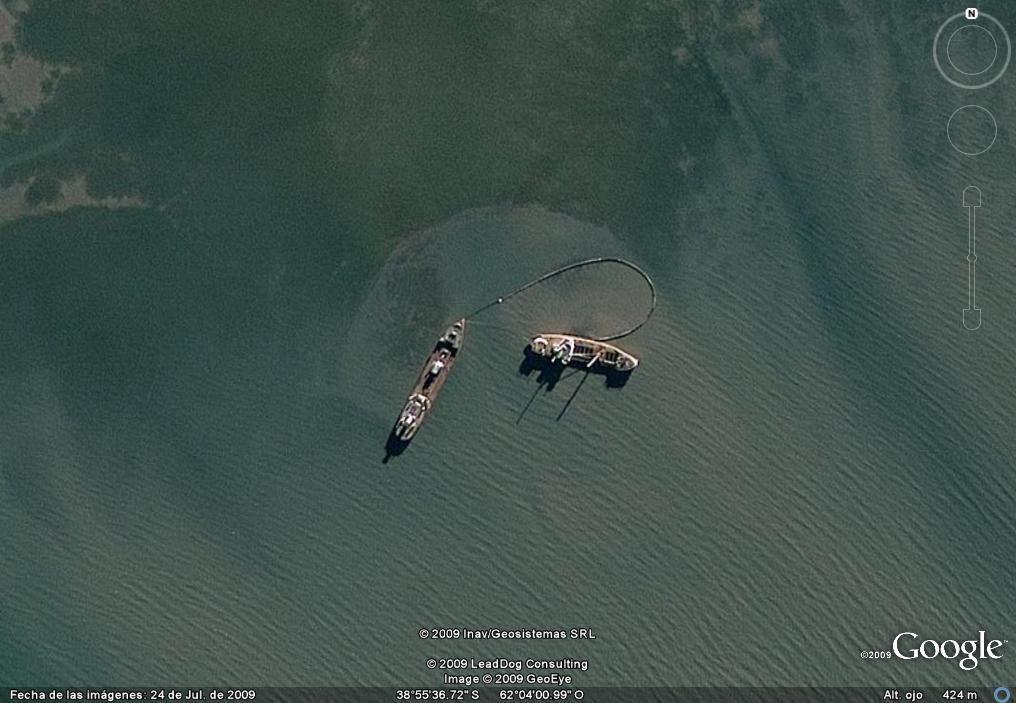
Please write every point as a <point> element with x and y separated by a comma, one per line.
<point>580,264</point>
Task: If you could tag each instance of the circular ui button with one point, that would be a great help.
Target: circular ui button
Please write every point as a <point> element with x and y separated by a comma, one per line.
<point>971,49</point>
<point>971,130</point>
<point>972,53</point>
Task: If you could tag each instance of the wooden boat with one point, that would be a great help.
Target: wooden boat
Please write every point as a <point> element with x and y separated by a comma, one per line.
<point>430,382</point>
<point>568,349</point>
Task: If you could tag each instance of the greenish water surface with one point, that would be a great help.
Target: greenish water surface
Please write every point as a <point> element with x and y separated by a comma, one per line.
<point>200,362</point>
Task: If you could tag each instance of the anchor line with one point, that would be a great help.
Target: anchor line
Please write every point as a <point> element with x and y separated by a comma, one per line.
<point>579,264</point>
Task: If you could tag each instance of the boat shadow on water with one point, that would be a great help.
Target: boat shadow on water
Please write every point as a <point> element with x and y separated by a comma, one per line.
<point>549,373</point>
<point>394,446</point>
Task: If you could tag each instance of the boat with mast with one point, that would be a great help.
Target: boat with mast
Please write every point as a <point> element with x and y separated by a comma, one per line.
<point>569,349</point>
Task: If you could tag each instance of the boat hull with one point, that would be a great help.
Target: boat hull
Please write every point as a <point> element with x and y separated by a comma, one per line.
<point>430,381</point>
<point>572,350</point>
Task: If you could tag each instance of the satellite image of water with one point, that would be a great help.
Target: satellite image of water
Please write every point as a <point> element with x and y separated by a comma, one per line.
<point>762,440</point>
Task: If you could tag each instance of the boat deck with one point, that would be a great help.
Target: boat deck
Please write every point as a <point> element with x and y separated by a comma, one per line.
<point>429,385</point>
<point>587,351</point>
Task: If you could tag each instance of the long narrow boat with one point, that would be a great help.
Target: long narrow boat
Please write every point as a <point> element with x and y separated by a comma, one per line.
<point>569,349</point>
<point>430,382</point>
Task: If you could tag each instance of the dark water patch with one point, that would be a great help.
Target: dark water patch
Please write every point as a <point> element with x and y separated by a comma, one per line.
<point>588,112</point>
<point>197,103</point>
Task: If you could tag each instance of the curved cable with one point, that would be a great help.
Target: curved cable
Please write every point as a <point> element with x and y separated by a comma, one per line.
<point>580,264</point>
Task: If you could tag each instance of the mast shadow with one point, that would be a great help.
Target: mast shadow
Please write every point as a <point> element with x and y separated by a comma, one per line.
<point>548,374</point>
<point>575,392</point>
